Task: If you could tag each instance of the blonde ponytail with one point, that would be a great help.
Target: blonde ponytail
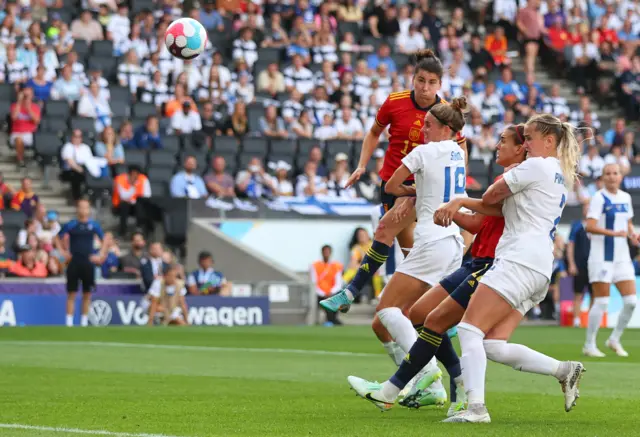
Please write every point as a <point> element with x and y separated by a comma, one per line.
<point>569,154</point>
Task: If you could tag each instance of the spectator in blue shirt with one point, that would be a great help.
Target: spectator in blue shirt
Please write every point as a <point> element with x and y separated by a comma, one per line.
<point>210,18</point>
<point>615,136</point>
<point>111,263</point>
<point>79,236</point>
<point>206,280</point>
<point>148,136</point>
<point>382,57</point>
<point>578,248</point>
<point>41,87</point>
<point>187,183</point>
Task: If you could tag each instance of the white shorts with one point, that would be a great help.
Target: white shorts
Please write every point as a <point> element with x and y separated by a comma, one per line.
<point>430,262</point>
<point>27,139</point>
<point>611,272</point>
<point>519,285</point>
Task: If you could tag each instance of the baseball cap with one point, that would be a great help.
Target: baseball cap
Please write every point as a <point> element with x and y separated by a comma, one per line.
<point>341,157</point>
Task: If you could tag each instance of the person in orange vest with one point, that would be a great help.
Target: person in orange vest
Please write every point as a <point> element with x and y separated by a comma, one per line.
<point>127,189</point>
<point>327,277</point>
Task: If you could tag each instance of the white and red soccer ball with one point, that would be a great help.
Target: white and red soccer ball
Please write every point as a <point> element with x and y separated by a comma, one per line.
<point>185,38</point>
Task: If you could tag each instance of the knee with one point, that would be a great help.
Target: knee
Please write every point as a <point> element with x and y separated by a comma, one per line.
<point>601,303</point>
<point>436,321</point>
<point>382,234</point>
<point>416,315</point>
<point>630,300</point>
<point>496,350</point>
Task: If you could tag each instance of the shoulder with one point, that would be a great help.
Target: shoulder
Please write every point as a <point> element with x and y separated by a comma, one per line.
<point>398,98</point>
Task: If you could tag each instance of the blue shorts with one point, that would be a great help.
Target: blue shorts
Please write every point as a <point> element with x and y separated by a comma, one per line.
<point>462,283</point>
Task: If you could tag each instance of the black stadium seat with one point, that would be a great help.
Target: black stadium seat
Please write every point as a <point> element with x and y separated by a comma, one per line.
<point>255,146</point>
<point>143,110</point>
<point>339,146</point>
<point>161,158</point>
<point>136,157</point>
<point>226,145</point>
<point>171,144</point>
<point>160,174</point>
<point>282,146</point>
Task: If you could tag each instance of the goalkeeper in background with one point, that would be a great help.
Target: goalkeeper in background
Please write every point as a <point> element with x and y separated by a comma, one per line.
<point>206,280</point>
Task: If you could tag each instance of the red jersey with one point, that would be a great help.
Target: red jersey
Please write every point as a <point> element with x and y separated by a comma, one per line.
<point>406,118</point>
<point>484,246</point>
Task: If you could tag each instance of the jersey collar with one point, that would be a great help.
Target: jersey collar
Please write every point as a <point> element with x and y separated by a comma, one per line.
<point>426,108</point>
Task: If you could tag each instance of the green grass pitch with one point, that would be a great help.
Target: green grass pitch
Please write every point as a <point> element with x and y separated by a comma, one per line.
<point>280,381</point>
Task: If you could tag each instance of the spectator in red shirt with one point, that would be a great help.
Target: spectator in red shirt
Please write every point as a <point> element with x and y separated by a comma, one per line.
<point>558,37</point>
<point>27,266</point>
<point>496,44</point>
<point>25,200</point>
<point>25,118</point>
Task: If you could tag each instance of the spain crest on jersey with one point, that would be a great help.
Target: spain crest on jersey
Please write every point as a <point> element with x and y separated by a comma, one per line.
<point>414,134</point>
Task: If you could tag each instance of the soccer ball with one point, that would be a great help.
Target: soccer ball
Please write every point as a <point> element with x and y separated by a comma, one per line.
<point>185,38</point>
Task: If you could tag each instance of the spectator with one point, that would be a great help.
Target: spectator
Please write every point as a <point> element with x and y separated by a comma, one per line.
<point>584,65</point>
<point>630,95</point>
<point>629,148</point>
<point>326,275</point>
<point>25,200</point>
<point>509,88</point>
<point>303,127</point>
<point>25,119</point>
<point>271,80</point>
<point>350,12</point>
<point>349,127</point>
<point>130,73</point>
<point>67,87</point>
<point>148,136</point>
<point>6,192</point>
<point>310,183</point>
<point>485,144</point>
<point>591,164</point>
<point>111,263</point>
<point>30,227</point>
<point>126,135</point>
<point>6,255</point>
<point>219,182</point>
<point>75,155</point>
<point>213,89</point>
<point>27,266</point>
<point>238,124</point>
<point>86,28</point>
<point>40,85</point>
<point>210,18</point>
<point>93,104</point>
<point>615,156</point>
<point>254,182</point>
<point>206,280</point>
<point>245,47</point>
<point>167,294</point>
<point>152,265</point>
<point>555,104</point>
<point>276,36</point>
<point>271,125</point>
<point>127,189</point>
<point>615,136</point>
<point>132,261</point>
<point>382,57</point>
<point>584,111</point>
<point>496,45</point>
<point>176,104</point>
<point>15,72</point>
<point>210,121</point>
<point>283,185</point>
<point>132,41</point>
<point>411,42</point>
<point>77,67</point>
<point>119,25</point>
<point>557,37</point>
<point>479,56</point>
<point>298,77</point>
<point>339,177</point>
<point>530,23</point>
<point>186,121</point>
<point>186,183</point>
<point>109,148</point>
<point>328,129</point>
<point>489,104</point>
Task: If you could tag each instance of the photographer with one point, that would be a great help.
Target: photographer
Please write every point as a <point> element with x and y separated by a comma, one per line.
<point>254,182</point>
<point>166,295</point>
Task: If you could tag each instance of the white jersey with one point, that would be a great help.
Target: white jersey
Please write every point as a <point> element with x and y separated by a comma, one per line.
<point>532,213</point>
<point>612,211</point>
<point>439,169</point>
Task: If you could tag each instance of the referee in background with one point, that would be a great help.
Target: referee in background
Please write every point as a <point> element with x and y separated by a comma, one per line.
<point>76,241</point>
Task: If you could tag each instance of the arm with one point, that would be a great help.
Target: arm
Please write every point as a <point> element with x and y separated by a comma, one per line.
<point>396,186</point>
<point>337,283</point>
<point>593,228</point>
<point>153,308</point>
<point>573,269</point>
<point>469,222</point>
<point>183,306</point>
<point>369,145</point>
<point>496,193</point>
<point>633,236</point>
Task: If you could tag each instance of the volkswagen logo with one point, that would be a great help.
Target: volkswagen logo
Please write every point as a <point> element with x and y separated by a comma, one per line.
<point>100,313</point>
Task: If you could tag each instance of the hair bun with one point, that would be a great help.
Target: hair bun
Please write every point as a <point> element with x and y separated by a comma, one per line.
<point>423,54</point>
<point>459,104</point>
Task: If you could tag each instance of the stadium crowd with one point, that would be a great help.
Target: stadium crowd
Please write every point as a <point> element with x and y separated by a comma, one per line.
<point>285,91</point>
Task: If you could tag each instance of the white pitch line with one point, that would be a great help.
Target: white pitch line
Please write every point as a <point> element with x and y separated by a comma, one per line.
<point>189,348</point>
<point>78,431</point>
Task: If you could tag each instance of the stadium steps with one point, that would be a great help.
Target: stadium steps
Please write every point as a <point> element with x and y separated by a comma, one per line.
<point>54,195</point>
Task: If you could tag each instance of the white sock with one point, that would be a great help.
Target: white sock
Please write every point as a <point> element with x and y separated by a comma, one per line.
<point>521,357</point>
<point>389,391</point>
<point>577,322</point>
<point>473,362</point>
<point>400,328</point>
<point>624,317</point>
<point>600,305</point>
<point>69,320</point>
<point>84,320</point>
<point>394,351</point>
